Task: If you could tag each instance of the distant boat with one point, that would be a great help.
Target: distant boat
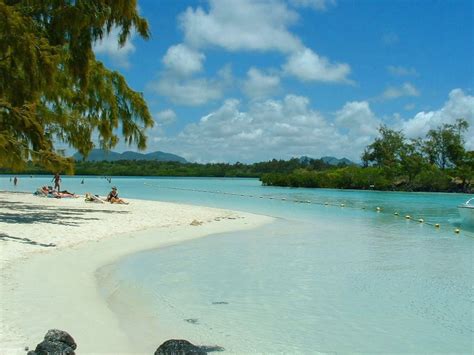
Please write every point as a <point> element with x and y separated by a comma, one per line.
<point>466,210</point>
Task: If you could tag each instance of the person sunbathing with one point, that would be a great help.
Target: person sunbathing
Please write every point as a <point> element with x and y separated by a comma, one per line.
<point>93,198</point>
<point>113,197</point>
<point>48,191</point>
<point>64,194</point>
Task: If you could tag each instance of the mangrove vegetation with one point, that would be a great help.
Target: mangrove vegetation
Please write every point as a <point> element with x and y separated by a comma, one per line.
<point>437,162</point>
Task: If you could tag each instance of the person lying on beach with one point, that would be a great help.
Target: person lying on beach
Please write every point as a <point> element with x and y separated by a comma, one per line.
<point>48,191</point>
<point>93,198</point>
<point>64,194</point>
<point>113,197</point>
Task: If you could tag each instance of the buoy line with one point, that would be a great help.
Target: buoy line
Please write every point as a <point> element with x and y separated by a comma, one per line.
<point>326,203</point>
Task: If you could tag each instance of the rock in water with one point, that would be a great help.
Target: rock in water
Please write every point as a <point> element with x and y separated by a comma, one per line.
<point>55,342</point>
<point>184,347</point>
<point>178,347</point>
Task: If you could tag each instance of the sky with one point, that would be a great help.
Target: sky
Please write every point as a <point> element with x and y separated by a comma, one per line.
<point>253,80</point>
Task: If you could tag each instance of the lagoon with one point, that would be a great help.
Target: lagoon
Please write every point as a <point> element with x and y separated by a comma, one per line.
<point>322,278</point>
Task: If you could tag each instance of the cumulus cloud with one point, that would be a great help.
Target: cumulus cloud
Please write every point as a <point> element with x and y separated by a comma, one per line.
<point>319,5</point>
<point>165,117</point>
<point>183,60</point>
<point>192,91</point>
<point>275,129</point>
<point>244,25</point>
<point>401,71</point>
<point>309,66</point>
<point>109,47</point>
<point>289,127</point>
<point>358,118</point>
<point>458,105</point>
<point>241,25</point>
<point>393,92</point>
<point>259,85</point>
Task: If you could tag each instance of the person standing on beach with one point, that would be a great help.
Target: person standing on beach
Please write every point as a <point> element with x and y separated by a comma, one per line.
<point>57,181</point>
<point>15,181</point>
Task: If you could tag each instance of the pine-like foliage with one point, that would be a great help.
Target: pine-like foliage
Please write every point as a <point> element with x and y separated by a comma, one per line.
<point>52,88</point>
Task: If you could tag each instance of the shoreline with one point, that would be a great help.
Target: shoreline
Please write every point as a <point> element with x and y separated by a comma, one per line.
<point>46,287</point>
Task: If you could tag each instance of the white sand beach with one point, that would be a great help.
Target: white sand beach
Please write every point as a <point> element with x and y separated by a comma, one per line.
<point>50,250</point>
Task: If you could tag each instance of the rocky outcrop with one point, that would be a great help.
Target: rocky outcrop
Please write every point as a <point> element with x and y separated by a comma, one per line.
<point>59,342</point>
<point>184,347</point>
<point>56,342</point>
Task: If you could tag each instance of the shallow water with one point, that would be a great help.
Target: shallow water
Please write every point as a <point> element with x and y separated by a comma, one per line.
<point>320,279</point>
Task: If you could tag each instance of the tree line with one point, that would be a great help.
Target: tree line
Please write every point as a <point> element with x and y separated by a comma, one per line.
<point>437,162</point>
<point>158,168</point>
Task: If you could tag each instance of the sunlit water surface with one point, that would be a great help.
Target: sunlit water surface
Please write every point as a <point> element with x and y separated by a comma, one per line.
<point>322,278</point>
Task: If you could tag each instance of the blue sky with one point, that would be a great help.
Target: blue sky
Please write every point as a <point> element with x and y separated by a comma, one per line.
<point>248,80</point>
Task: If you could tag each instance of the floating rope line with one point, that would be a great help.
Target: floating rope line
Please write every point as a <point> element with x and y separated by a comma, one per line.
<point>311,202</point>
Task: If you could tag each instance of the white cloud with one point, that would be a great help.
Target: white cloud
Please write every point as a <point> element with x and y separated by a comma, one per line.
<point>406,89</point>
<point>275,129</point>
<point>192,91</point>
<point>250,25</point>
<point>241,25</point>
<point>290,127</point>
<point>358,118</point>
<point>459,105</point>
<point>183,60</point>
<point>319,5</point>
<point>309,66</point>
<point>259,85</point>
<point>109,47</point>
<point>401,71</point>
<point>165,117</point>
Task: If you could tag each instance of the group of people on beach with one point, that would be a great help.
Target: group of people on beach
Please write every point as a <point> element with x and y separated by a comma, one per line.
<point>50,191</point>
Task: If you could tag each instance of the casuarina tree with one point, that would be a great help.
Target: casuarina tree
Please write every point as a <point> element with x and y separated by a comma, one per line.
<point>52,88</point>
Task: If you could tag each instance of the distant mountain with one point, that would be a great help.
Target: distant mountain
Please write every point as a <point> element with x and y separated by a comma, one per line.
<point>305,160</point>
<point>100,155</point>
<point>328,160</point>
<point>336,161</point>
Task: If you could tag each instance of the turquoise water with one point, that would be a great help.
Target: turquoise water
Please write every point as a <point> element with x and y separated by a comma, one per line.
<point>433,207</point>
<point>322,278</point>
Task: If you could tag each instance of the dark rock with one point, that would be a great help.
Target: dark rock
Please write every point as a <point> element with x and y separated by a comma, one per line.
<point>178,347</point>
<point>56,342</point>
<point>184,347</point>
<point>60,336</point>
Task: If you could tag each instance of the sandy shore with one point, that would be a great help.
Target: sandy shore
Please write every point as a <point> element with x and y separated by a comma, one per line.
<point>50,250</point>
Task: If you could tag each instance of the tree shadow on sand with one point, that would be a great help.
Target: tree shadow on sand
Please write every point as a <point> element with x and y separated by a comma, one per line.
<point>9,238</point>
<point>26,213</point>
